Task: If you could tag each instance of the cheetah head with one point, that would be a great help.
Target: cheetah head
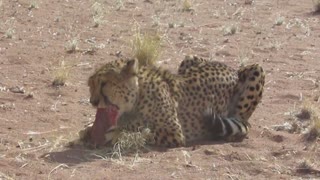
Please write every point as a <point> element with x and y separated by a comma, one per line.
<point>113,91</point>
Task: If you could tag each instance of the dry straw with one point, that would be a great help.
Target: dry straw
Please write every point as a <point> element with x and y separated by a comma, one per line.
<point>146,48</point>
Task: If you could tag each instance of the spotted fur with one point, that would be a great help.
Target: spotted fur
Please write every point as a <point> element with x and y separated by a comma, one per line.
<point>204,100</point>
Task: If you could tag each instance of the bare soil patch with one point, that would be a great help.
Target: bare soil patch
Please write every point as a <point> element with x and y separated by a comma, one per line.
<point>42,40</point>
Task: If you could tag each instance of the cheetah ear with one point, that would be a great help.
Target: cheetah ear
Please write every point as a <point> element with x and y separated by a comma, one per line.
<point>131,68</point>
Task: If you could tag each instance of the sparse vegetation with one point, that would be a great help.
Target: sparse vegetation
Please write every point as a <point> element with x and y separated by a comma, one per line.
<point>61,74</point>
<point>146,47</point>
<point>9,25</point>
<point>72,45</point>
<point>155,21</point>
<point>33,5</point>
<point>186,5</point>
<point>98,14</point>
<point>313,132</point>
<point>274,45</point>
<point>300,23</point>
<point>125,143</point>
<point>243,58</point>
<point>229,30</point>
<point>119,5</point>
<point>5,177</point>
<point>279,20</point>
<point>306,167</point>
<point>131,142</point>
<point>97,21</point>
<point>305,121</point>
<point>9,33</point>
<point>309,114</point>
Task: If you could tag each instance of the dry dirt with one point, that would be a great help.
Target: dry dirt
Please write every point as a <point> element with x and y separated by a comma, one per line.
<point>37,120</point>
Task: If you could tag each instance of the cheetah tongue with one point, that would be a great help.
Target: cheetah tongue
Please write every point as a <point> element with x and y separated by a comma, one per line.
<point>105,119</point>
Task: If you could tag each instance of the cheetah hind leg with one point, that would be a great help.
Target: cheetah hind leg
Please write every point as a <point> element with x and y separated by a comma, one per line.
<point>248,93</point>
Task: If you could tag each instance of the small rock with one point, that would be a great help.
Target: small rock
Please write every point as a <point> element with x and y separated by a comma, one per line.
<point>210,152</point>
<point>17,89</point>
<point>118,53</point>
<point>29,95</point>
<point>190,165</point>
<point>84,101</point>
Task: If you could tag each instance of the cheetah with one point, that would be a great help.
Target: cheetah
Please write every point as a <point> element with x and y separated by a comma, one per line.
<point>204,100</point>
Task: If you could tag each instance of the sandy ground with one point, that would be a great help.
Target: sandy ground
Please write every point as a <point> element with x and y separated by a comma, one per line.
<point>37,120</point>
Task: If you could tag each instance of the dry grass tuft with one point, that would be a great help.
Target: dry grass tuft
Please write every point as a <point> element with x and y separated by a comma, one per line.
<point>186,5</point>
<point>5,177</point>
<point>33,5</point>
<point>98,14</point>
<point>61,74</point>
<point>10,26</point>
<point>131,142</point>
<point>124,142</point>
<point>9,33</point>
<point>274,45</point>
<point>305,113</point>
<point>305,121</point>
<point>243,56</point>
<point>279,20</point>
<point>119,5</point>
<point>72,45</point>
<point>306,167</point>
<point>310,113</point>
<point>314,130</point>
<point>229,30</point>
<point>146,48</point>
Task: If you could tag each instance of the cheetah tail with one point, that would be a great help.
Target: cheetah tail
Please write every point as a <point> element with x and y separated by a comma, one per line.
<point>225,127</point>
